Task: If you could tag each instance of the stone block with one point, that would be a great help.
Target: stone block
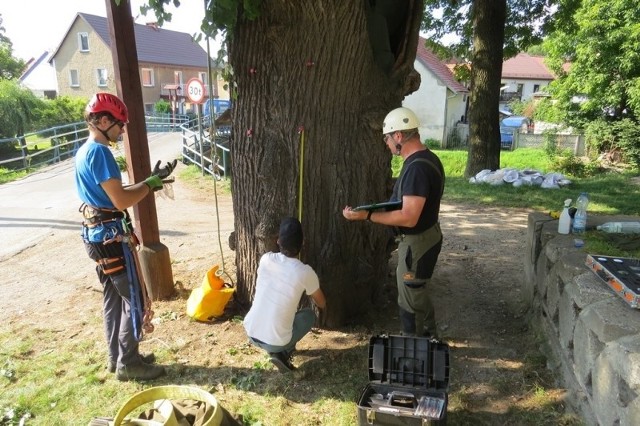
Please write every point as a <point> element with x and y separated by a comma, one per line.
<point>599,323</point>
<point>616,382</point>
<point>580,292</point>
<point>535,223</point>
<point>559,246</point>
<point>572,264</point>
<point>555,288</point>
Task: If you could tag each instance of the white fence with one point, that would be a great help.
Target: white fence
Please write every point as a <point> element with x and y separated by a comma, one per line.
<point>457,137</point>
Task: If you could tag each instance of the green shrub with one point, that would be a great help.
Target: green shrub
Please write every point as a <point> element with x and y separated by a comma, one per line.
<point>432,143</point>
<point>162,106</point>
<point>122,163</point>
<point>621,136</point>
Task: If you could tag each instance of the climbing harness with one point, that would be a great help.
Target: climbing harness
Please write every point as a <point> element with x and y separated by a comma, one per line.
<point>113,259</point>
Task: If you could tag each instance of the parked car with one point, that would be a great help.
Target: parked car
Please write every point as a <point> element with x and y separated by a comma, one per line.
<point>509,126</point>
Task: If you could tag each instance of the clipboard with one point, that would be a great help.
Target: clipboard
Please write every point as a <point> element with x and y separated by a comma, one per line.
<point>387,206</point>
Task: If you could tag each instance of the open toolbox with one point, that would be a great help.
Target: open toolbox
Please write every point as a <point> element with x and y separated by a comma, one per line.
<point>622,274</point>
<point>408,382</point>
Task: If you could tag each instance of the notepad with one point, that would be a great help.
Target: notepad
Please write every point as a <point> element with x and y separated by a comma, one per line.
<point>387,206</point>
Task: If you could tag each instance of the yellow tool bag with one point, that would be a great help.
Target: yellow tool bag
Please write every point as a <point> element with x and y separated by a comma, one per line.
<point>209,300</point>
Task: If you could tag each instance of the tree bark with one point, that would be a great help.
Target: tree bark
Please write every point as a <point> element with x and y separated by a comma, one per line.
<point>486,69</point>
<point>306,68</point>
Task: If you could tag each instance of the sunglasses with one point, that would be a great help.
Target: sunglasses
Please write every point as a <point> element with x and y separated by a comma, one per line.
<point>118,123</point>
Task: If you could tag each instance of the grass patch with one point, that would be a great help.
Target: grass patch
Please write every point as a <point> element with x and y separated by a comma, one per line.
<point>194,177</point>
<point>609,193</point>
<point>7,175</point>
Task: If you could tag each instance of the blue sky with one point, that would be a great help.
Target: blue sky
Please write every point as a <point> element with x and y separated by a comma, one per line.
<point>34,26</point>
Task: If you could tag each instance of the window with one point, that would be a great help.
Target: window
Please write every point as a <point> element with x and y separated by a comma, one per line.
<point>520,87</point>
<point>203,77</point>
<point>83,42</point>
<point>147,77</point>
<point>177,77</point>
<point>536,88</point>
<point>74,81</point>
<point>149,109</point>
<point>101,75</point>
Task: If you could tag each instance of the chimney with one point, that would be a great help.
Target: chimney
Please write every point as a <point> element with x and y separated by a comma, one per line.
<point>153,25</point>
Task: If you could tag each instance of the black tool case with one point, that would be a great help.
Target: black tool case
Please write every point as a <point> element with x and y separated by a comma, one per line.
<point>408,382</point>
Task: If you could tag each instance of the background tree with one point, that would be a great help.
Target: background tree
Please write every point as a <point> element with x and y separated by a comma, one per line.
<point>314,80</point>
<point>10,67</point>
<point>488,32</point>
<point>602,45</point>
<point>59,111</point>
<point>17,108</point>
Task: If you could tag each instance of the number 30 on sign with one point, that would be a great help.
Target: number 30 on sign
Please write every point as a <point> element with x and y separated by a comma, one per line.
<point>195,91</point>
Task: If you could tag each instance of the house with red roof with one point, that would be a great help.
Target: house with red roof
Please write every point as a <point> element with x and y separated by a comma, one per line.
<point>523,77</point>
<point>441,101</point>
<point>167,60</point>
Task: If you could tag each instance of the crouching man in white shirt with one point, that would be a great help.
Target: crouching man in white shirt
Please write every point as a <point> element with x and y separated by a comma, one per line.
<point>273,323</point>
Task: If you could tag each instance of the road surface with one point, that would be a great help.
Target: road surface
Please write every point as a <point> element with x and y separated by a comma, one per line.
<point>31,207</point>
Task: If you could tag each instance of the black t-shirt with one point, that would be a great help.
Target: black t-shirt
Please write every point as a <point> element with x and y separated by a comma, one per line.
<point>422,179</point>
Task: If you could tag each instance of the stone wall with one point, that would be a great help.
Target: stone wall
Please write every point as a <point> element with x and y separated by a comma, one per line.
<point>594,334</point>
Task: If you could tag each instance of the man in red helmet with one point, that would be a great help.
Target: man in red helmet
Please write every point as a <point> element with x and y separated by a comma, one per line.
<point>107,234</point>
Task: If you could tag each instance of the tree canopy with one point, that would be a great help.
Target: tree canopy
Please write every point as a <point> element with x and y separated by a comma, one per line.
<point>601,44</point>
<point>10,67</point>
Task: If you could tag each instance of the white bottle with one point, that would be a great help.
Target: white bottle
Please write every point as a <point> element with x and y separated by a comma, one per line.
<point>620,227</point>
<point>564,224</point>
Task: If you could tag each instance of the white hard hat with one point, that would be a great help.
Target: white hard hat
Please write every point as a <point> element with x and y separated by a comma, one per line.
<point>400,119</point>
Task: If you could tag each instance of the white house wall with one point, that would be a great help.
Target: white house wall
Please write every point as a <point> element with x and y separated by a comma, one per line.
<point>436,106</point>
<point>527,86</point>
<point>41,79</point>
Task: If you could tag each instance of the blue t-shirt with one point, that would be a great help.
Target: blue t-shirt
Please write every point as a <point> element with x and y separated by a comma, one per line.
<point>95,164</point>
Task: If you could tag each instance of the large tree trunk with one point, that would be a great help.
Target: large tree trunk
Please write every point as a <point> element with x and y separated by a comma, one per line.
<point>486,69</point>
<point>306,68</point>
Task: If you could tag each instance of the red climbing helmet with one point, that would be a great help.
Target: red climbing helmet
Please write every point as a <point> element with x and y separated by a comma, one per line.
<point>106,102</point>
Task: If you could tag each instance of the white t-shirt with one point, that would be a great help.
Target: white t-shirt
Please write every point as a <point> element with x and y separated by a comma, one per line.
<point>279,287</point>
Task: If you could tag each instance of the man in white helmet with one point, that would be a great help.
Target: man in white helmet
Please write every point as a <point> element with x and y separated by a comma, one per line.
<point>419,187</point>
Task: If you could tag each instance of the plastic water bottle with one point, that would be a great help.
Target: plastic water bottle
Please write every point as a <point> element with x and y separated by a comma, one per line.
<point>564,224</point>
<point>580,218</point>
<point>620,227</point>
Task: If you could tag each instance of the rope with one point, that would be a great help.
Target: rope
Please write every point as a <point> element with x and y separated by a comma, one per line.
<point>134,285</point>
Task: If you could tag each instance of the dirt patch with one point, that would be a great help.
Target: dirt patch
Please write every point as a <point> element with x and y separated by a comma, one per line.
<point>498,373</point>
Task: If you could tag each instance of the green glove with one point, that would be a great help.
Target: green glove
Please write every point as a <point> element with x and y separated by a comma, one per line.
<point>153,182</point>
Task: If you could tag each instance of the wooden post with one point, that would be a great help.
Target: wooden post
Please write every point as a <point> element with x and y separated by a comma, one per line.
<point>154,256</point>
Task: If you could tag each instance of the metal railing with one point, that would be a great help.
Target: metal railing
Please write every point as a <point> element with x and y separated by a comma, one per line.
<point>50,146</point>
<point>211,156</point>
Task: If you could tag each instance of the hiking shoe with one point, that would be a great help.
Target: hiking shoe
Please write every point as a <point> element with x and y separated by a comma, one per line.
<point>147,359</point>
<point>281,361</point>
<point>139,371</point>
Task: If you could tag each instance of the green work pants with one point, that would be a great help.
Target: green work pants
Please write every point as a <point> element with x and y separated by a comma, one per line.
<point>417,257</point>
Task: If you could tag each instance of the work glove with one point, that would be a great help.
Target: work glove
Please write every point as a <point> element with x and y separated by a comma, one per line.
<point>164,172</point>
<point>153,182</point>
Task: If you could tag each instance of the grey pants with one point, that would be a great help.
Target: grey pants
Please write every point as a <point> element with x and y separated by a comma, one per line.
<point>118,327</point>
<point>417,257</point>
<point>302,323</point>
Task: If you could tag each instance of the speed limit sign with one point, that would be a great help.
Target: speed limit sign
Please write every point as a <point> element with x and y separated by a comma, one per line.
<point>195,91</point>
